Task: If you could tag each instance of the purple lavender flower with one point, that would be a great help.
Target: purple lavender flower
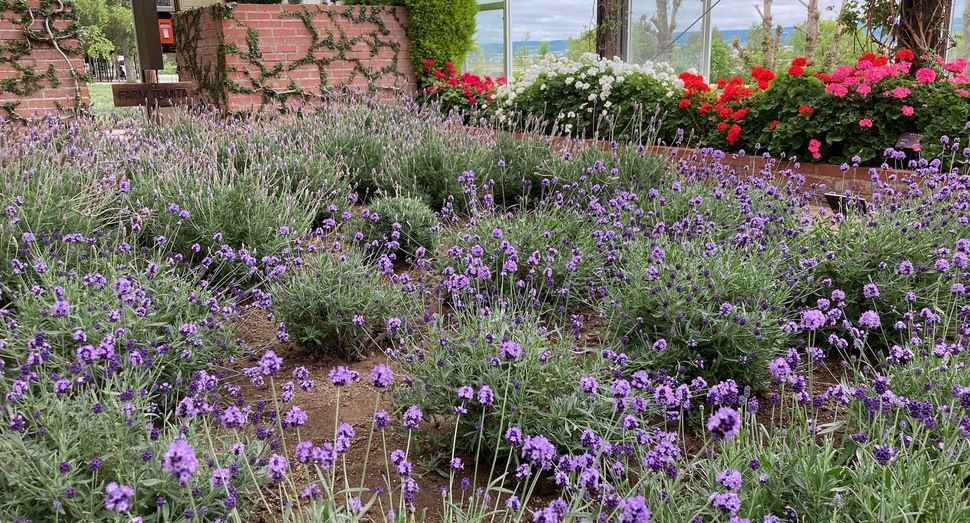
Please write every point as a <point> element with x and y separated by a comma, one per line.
<point>620,388</point>
<point>342,376</point>
<point>485,396</point>
<point>633,510</point>
<point>276,468</point>
<point>381,376</point>
<point>588,385</point>
<point>513,436</point>
<point>412,417</point>
<point>220,477</point>
<point>726,503</point>
<point>61,308</point>
<point>779,368</point>
<point>269,364</point>
<point>730,479</point>
<point>884,454</point>
<point>295,417</point>
<point>870,319</point>
<point>466,393</point>
<point>870,290</point>
<point>381,419</point>
<point>180,461</point>
<point>539,451</point>
<point>724,424</point>
<point>510,350</point>
<point>813,319</point>
<point>118,497</point>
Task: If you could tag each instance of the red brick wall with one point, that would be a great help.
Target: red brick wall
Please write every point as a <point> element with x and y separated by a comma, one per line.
<point>43,95</point>
<point>357,49</point>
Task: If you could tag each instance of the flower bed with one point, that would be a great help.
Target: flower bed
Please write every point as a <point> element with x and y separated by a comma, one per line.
<point>575,335</point>
<point>853,115</point>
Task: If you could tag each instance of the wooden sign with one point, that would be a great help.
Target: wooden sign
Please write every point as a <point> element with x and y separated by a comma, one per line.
<point>152,94</point>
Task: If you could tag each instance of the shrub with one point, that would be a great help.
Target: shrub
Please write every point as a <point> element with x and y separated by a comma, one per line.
<point>519,375</point>
<point>710,314</point>
<point>440,30</point>
<point>199,217</point>
<point>608,98</point>
<point>101,360</point>
<point>398,225</point>
<point>335,304</point>
<point>433,166</point>
<point>50,191</point>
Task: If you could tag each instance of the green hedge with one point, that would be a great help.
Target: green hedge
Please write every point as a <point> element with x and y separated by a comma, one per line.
<point>440,30</point>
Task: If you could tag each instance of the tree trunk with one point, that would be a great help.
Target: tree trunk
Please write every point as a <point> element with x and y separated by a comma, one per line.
<point>811,30</point>
<point>769,42</point>
<point>923,24</point>
<point>132,71</point>
<point>608,22</point>
<point>832,55</point>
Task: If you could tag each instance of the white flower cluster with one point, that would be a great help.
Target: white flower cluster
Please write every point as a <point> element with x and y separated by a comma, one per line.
<point>590,73</point>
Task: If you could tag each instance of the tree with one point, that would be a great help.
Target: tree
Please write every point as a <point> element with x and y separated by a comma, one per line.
<point>829,33</point>
<point>661,26</point>
<point>106,26</point>
<point>586,43</point>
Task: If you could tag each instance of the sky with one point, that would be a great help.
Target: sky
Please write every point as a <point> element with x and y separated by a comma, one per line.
<point>557,19</point>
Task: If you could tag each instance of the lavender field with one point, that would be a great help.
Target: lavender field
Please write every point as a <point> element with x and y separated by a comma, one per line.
<point>375,313</point>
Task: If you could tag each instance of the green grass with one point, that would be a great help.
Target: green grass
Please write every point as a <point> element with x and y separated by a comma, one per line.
<point>102,102</point>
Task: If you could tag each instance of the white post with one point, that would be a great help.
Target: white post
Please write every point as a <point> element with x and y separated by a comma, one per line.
<point>507,39</point>
<point>707,36</point>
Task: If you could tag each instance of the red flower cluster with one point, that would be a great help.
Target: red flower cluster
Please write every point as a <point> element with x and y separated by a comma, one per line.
<point>904,54</point>
<point>471,86</point>
<point>762,76</point>
<point>798,66</point>
<point>693,84</point>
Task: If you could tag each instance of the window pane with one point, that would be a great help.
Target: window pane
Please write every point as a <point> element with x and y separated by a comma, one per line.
<point>487,56</point>
<point>666,31</point>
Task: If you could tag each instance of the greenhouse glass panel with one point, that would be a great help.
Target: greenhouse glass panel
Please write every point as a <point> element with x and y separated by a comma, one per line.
<point>669,31</point>
<point>488,54</point>
<point>960,30</point>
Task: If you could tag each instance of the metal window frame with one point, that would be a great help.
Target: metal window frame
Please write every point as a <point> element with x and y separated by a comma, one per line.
<point>506,8</point>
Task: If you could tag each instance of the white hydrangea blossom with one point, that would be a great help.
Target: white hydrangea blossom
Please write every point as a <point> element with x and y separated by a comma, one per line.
<point>605,74</point>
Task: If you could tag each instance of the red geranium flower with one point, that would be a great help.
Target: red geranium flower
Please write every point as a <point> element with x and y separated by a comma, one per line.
<point>773,124</point>
<point>734,134</point>
<point>804,109</point>
<point>800,61</point>
<point>904,54</point>
<point>683,103</point>
<point>795,70</point>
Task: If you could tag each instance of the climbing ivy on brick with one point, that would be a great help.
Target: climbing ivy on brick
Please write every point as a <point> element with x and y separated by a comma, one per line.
<point>325,46</point>
<point>39,26</point>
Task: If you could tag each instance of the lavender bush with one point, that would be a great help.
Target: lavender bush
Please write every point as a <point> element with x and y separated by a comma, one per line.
<point>601,336</point>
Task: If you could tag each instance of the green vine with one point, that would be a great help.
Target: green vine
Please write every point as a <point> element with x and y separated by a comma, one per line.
<point>27,80</point>
<point>324,48</point>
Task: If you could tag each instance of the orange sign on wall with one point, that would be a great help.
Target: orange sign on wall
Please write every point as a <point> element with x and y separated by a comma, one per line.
<point>165,34</point>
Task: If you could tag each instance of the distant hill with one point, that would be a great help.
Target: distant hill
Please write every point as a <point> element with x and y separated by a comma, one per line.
<point>742,34</point>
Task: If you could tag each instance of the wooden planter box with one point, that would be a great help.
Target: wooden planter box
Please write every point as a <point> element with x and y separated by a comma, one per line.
<point>253,57</point>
